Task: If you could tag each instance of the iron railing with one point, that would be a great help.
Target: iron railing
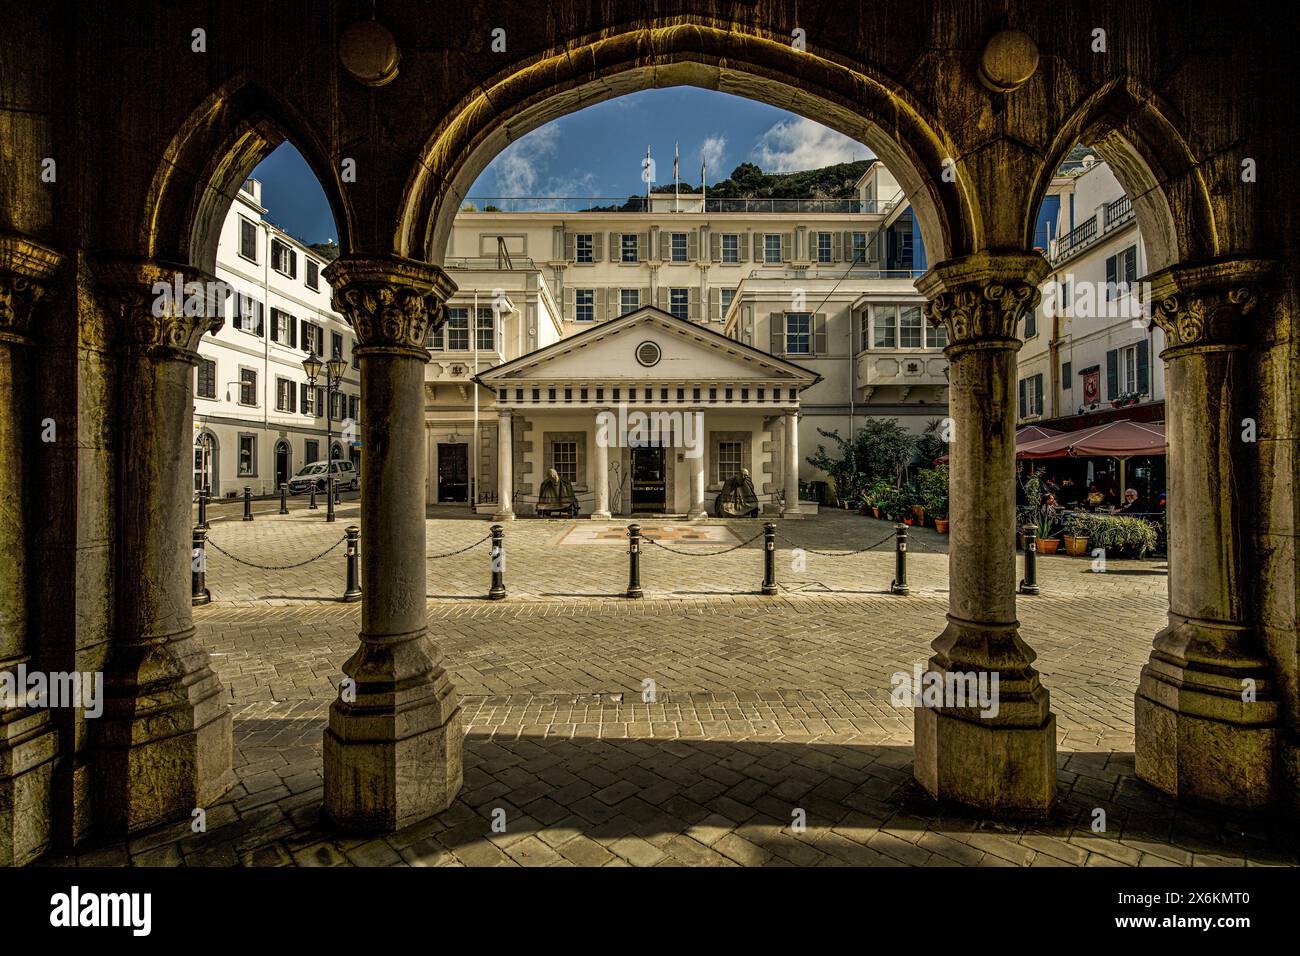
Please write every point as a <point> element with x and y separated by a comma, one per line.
<point>660,204</point>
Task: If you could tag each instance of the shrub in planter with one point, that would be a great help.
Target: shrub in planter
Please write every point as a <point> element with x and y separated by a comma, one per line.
<point>932,493</point>
<point>1078,527</point>
<point>1046,531</point>
<point>1121,535</point>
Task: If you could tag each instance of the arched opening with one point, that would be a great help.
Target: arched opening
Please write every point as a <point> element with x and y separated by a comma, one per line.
<point>207,464</point>
<point>283,462</point>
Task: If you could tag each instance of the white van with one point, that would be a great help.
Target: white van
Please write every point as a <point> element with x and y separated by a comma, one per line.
<point>345,476</point>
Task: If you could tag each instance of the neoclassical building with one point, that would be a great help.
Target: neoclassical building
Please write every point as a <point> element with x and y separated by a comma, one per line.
<point>130,149</point>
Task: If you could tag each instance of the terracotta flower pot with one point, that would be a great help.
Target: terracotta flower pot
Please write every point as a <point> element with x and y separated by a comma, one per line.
<point>1047,545</point>
<point>941,525</point>
<point>875,512</point>
<point>907,521</point>
<point>919,514</point>
<point>1077,547</point>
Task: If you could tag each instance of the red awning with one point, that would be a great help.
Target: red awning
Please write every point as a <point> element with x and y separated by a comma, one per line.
<point>1121,439</point>
<point>1030,433</point>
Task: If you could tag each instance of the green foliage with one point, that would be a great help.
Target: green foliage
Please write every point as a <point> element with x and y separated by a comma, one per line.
<point>1121,531</point>
<point>880,449</point>
<point>1079,525</point>
<point>932,490</point>
<point>930,446</point>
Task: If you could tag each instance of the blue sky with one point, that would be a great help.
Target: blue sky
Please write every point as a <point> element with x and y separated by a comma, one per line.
<point>598,151</point>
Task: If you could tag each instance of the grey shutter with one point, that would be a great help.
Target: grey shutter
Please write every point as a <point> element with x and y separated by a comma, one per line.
<point>661,297</point>
<point>1112,373</point>
<point>642,245</point>
<point>1130,268</point>
<point>837,247</point>
<point>819,334</point>
<point>742,242</point>
<point>1112,276</point>
<point>570,310</point>
<point>665,245</point>
<point>775,324</point>
<point>612,302</point>
<point>570,247</point>
<point>615,251</point>
<point>275,326</point>
<point>846,241</point>
<point>693,245</point>
<point>1144,367</point>
<point>306,336</point>
<point>1038,393</point>
<point>597,246</point>
<point>293,332</point>
<point>693,298</point>
<point>293,398</point>
<point>1023,413</point>
<point>715,305</point>
<point>787,246</point>
<point>597,305</point>
<point>644,298</point>
<point>302,389</point>
<point>715,247</point>
<point>261,314</point>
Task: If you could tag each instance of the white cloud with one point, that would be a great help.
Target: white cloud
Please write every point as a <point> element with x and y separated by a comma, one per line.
<point>798,144</point>
<point>713,150</point>
<point>518,167</point>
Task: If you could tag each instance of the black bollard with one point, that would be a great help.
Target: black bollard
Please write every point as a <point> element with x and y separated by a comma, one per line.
<point>199,593</point>
<point>1030,583</point>
<point>248,503</point>
<point>284,498</point>
<point>203,510</point>
<point>769,558</point>
<point>353,592</point>
<point>634,561</point>
<point>331,498</point>
<point>312,503</point>
<point>498,590</point>
<point>899,584</point>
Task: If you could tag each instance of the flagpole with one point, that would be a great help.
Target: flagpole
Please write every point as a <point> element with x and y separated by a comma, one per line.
<point>647,177</point>
<point>704,186</point>
<point>676,195</point>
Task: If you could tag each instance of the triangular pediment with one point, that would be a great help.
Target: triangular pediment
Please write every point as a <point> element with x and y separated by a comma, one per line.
<point>649,345</point>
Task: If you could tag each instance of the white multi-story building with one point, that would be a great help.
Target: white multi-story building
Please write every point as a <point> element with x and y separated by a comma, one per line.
<point>256,420</point>
<point>755,314</point>
<point>1090,351</point>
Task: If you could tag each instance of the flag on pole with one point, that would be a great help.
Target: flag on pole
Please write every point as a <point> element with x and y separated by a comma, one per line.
<point>645,174</point>
<point>704,182</point>
<point>675,179</point>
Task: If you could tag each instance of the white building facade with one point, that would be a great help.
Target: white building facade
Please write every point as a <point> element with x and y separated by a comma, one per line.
<point>256,420</point>
<point>770,318</point>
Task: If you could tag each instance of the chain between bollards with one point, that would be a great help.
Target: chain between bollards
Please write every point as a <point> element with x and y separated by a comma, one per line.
<point>248,503</point>
<point>353,551</point>
<point>634,561</point>
<point>284,498</point>
<point>498,589</point>
<point>899,584</point>
<point>1029,585</point>
<point>769,558</point>
<point>199,593</point>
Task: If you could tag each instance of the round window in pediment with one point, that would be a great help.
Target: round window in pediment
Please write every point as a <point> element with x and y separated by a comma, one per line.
<point>648,354</point>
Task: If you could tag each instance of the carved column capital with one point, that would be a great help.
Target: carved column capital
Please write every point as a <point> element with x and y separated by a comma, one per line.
<point>26,271</point>
<point>392,303</point>
<point>980,298</point>
<point>161,309</point>
<point>1208,304</point>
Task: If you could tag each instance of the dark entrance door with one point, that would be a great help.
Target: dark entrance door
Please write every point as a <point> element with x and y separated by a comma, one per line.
<point>281,464</point>
<point>453,472</point>
<point>649,486</point>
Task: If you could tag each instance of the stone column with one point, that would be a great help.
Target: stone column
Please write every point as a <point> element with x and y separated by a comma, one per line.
<point>162,746</point>
<point>791,465</point>
<point>505,467</point>
<point>1206,713</point>
<point>601,439</point>
<point>28,740</point>
<point>698,464</point>
<point>1003,762</point>
<point>393,747</point>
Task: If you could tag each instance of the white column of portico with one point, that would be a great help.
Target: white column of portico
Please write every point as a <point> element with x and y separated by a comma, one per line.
<point>601,444</point>
<point>697,509</point>
<point>505,468</point>
<point>791,465</point>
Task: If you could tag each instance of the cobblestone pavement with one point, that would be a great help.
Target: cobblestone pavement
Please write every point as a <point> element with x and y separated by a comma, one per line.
<point>764,706</point>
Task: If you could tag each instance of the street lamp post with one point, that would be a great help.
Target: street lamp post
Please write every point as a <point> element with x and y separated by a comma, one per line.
<point>334,370</point>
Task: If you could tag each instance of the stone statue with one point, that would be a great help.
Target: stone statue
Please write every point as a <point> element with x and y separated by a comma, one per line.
<point>556,496</point>
<point>737,498</point>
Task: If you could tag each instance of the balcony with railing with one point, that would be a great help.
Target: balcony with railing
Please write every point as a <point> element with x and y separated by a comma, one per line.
<point>660,203</point>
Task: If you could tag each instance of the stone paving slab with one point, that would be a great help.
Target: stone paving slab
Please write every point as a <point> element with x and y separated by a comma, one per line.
<point>766,710</point>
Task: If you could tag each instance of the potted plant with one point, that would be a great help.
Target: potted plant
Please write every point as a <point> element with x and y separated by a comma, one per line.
<point>933,493</point>
<point>1046,530</point>
<point>1077,529</point>
<point>879,496</point>
<point>1123,535</point>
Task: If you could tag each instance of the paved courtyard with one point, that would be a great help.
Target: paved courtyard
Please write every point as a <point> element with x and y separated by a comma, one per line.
<point>767,711</point>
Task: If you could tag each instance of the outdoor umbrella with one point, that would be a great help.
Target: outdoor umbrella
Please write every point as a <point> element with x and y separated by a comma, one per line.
<point>1030,433</point>
<point>1120,440</point>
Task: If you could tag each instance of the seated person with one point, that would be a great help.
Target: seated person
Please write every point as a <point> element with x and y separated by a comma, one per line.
<point>737,498</point>
<point>556,495</point>
<point>1132,503</point>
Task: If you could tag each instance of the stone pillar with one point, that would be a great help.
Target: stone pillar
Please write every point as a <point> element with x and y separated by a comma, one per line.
<point>791,465</point>
<point>28,740</point>
<point>1206,713</point>
<point>1003,762</point>
<point>601,440</point>
<point>162,746</point>
<point>393,747</point>
<point>505,467</point>
<point>698,464</point>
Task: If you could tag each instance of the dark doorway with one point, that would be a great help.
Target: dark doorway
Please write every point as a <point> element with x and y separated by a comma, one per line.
<point>649,486</point>
<point>283,464</point>
<point>453,472</point>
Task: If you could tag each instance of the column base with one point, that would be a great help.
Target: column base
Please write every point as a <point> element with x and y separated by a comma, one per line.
<point>504,516</point>
<point>1003,763</point>
<point>163,743</point>
<point>394,756</point>
<point>1195,736</point>
<point>601,516</point>
<point>697,515</point>
<point>28,755</point>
